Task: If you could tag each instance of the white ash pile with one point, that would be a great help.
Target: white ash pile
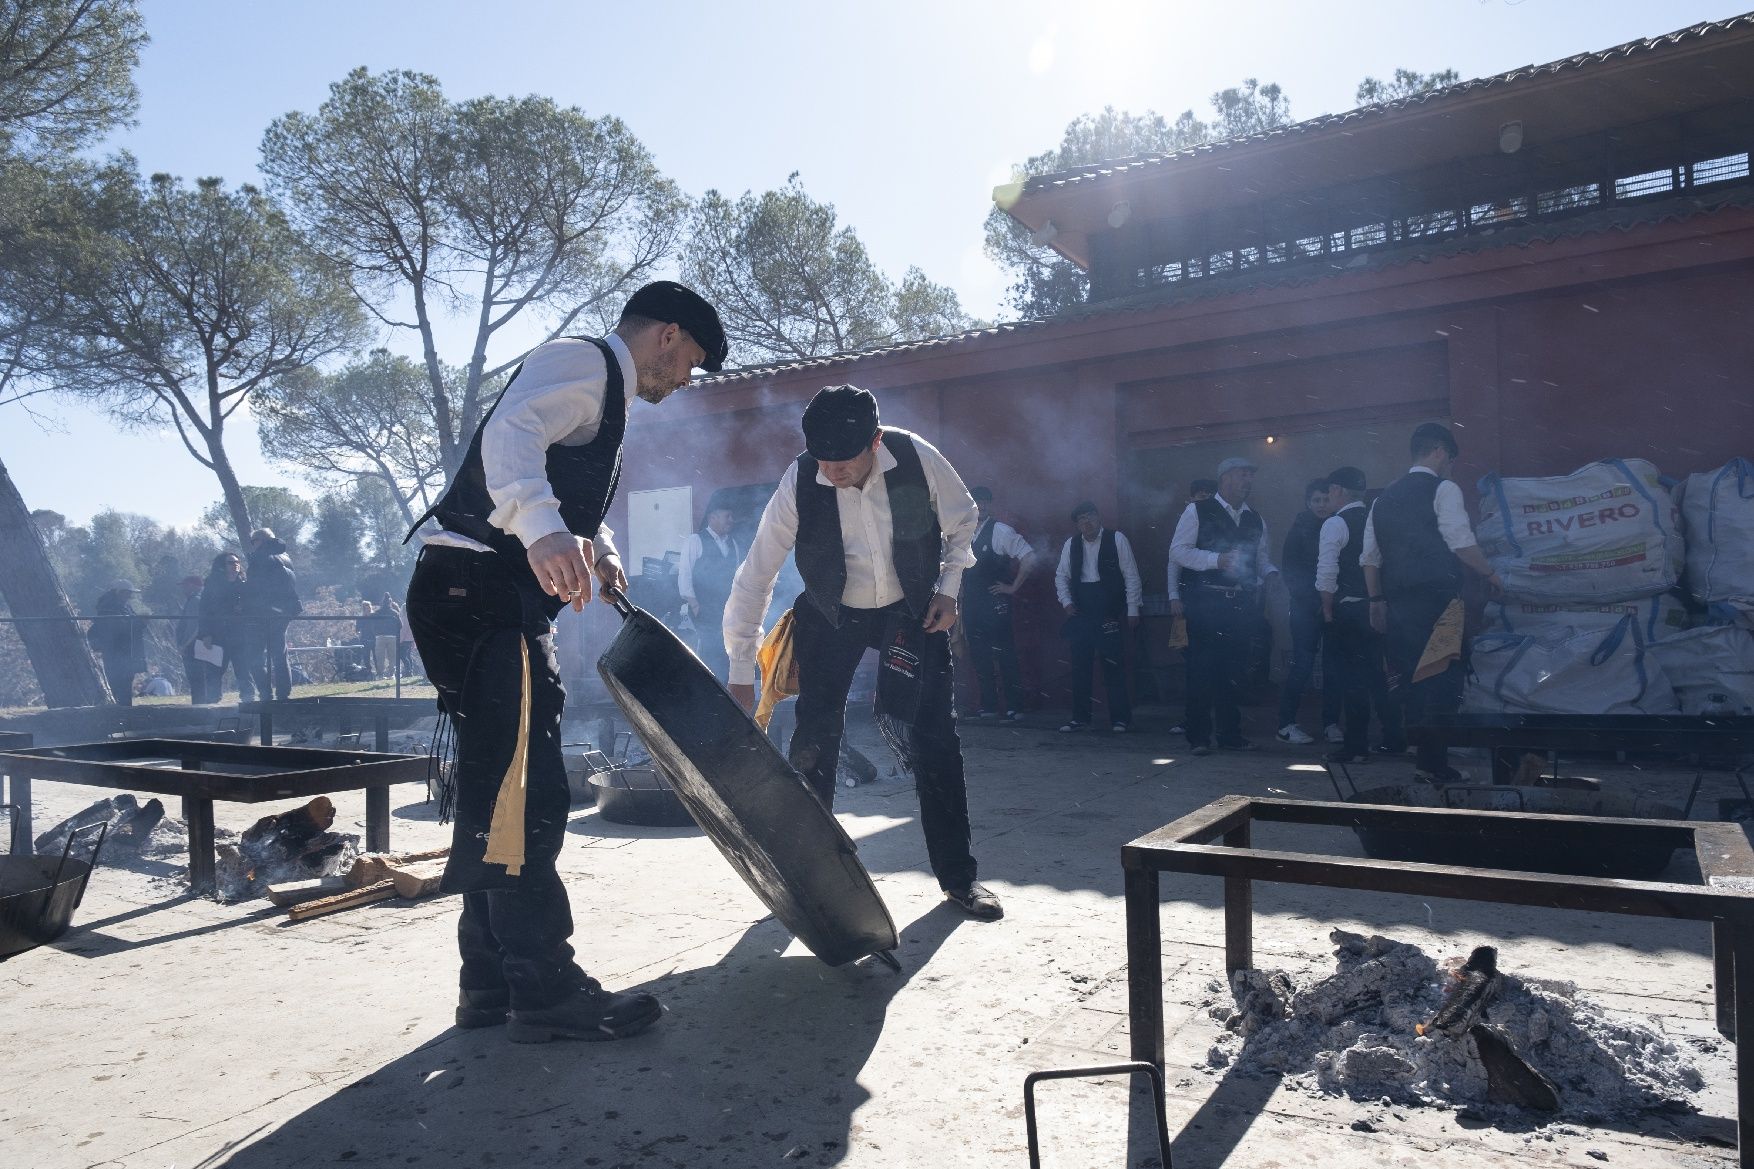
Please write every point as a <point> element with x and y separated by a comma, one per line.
<point>1529,1043</point>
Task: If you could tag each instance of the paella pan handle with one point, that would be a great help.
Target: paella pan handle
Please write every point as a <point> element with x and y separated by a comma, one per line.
<point>102,828</point>
<point>619,599</point>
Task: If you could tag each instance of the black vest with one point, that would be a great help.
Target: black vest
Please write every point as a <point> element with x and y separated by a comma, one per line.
<point>1350,582</point>
<point>713,574</point>
<point>583,478</point>
<point>1297,561</point>
<point>1415,558</point>
<point>1108,573</point>
<point>916,539</point>
<point>990,567</point>
<point>1219,533</point>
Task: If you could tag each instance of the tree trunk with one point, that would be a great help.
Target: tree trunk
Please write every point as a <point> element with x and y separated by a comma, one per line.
<point>57,649</point>
<point>230,488</point>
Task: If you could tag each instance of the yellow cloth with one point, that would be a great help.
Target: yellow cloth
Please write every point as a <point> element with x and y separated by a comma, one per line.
<point>779,670</point>
<point>1444,648</point>
<point>1178,633</point>
<point>505,836</point>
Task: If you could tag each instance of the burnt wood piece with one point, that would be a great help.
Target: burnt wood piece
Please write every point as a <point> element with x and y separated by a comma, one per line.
<point>342,712</point>
<point>202,772</point>
<point>1506,736</point>
<point>1724,899</point>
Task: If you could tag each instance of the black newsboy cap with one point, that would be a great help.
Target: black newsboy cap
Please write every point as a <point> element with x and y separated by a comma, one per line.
<point>677,304</point>
<point>1351,478</point>
<point>839,423</point>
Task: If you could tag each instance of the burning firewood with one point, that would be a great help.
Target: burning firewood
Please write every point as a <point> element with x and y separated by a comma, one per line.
<point>1473,987</point>
<point>294,845</point>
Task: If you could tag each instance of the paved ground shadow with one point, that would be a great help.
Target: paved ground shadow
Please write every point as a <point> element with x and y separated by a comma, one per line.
<point>758,1058</point>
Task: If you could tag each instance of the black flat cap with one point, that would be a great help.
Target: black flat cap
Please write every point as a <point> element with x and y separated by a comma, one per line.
<point>1351,478</point>
<point>677,304</point>
<point>839,423</point>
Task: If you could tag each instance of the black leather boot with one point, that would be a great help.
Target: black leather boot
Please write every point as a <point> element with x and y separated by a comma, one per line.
<point>589,1013</point>
<point>483,1008</point>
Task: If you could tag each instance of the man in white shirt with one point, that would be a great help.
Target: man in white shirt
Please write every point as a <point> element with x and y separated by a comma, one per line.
<point>882,525</point>
<point>1097,583</point>
<point>520,535</point>
<point>1416,543</point>
<point>1221,544</point>
<point>709,563</point>
<point>1002,559</point>
<point>1345,612</point>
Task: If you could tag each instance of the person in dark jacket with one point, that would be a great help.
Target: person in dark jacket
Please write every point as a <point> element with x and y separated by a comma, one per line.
<point>1298,564</point>
<point>198,672</point>
<point>118,635</point>
<point>270,603</point>
<point>222,624</point>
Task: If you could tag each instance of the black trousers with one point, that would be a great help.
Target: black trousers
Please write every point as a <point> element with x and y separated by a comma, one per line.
<point>263,654</point>
<point>1308,638</point>
<point>992,644</point>
<point>120,674</point>
<point>1221,630</point>
<point>471,621</point>
<point>1095,638</point>
<point>1411,619</point>
<point>1362,680</point>
<point>827,657</point>
<point>710,629</point>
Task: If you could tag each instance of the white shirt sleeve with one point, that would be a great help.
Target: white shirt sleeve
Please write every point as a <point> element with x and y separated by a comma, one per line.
<point>1371,555</point>
<point>1452,517</point>
<point>1333,539</point>
<point>1183,546</point>
<point>1264,557</point>
<point>1175,580</point>
<point>1129,573</point>
<point>958,518</point>
<point>1063,575</point>
<point>752,588</point>
<point>1006,542</point>
<point>557,395</point>
<point>691,550</point>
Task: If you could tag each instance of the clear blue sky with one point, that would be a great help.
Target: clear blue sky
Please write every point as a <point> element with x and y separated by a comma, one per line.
<point>904,116</point>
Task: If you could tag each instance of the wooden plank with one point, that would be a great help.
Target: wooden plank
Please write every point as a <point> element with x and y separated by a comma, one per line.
<point>1198,826</point>
<point>1394,817</point>
<point>382,891</point>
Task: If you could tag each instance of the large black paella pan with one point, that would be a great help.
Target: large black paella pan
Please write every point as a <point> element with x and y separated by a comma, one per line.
<point>744,794</point>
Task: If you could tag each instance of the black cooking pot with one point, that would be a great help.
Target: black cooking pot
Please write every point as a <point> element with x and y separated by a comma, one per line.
<point>744,794</point>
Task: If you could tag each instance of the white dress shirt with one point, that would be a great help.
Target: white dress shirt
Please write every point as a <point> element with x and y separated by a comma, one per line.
<point>557,397</point>
<point>1092,570</point>
<point>1007,542</point>
<point>1330,544</point>
<point>868,536</point>
<point>1452,521</point>
<point>1185,550</point>
<point>692,549</point>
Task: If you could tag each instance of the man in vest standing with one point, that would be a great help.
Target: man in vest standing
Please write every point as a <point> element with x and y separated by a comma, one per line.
<point>1002,558</point>
<point>1345,613</point>
<point>1298,560</point>
<point>1221,543</point>
<point>709,562</point>
<point>520,536</point>
<point>882,526</point>
<point>1416,543</point>
<point>1098,586</point>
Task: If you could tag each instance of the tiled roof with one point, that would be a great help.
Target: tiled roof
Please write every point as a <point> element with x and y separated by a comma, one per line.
<point>1135,163</point>
<point>1522,233</point>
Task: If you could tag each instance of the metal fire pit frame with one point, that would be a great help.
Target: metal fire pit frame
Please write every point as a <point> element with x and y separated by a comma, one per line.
<point>342,711</point>
<point>1214,841</point>
<point>1506,735</point>
<point>265,774</point>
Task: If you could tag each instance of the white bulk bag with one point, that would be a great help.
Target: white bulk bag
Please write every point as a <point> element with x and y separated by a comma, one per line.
<point>1606,532</point>
<point>1657,617</point>
<point>1717,513</point>
<point>1713,660</point>
<point>1563,672</point>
